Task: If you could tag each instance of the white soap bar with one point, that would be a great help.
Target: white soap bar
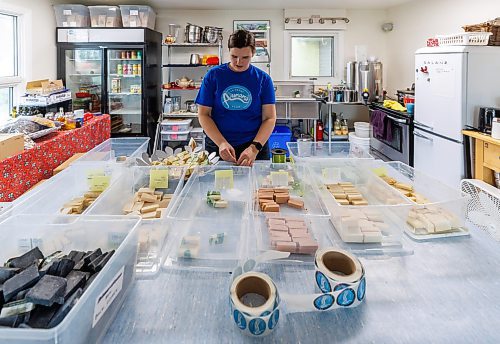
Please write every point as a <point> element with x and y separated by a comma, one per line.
<point>429,226</point>
<point>441,223</point>
<point>354,236</point>
<point>372,237</point>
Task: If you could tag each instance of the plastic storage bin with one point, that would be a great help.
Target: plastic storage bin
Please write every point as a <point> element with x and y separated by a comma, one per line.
<point>374,228</point>
<point>312,151</point>
<point>138,16</point>
<point>105,16</point>
<point>432,199</point>
<point>72,15</point>
<point>296,179</point>
<point>208,237</point>
<point>117,148</point>
<point>279,137</point>
<point>196,133</point>
<point>152,232</point>
<point>19,234</point>
<point>362,129</point>
<point>68,185</point>
<point>176,124</point>
<point>175,135</point>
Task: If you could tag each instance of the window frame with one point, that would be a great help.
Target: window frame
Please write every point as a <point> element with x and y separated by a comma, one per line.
<point>338,54</point>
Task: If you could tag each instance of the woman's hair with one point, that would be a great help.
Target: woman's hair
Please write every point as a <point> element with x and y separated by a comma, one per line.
<point>241,39</point>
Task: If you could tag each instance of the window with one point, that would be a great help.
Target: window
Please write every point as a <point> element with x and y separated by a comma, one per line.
<point>314,55</point>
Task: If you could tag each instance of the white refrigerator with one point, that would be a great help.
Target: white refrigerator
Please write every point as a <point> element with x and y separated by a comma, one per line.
<point>451,84</point>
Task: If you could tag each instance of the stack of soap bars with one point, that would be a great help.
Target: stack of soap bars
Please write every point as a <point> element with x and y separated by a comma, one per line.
<point>346,194</point>
<point>214,199</point>
<point>270,199</point>
<point>79,204</point>
<point>148,203</point>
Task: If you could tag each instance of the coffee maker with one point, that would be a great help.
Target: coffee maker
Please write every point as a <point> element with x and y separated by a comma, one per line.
<point>486,115</point>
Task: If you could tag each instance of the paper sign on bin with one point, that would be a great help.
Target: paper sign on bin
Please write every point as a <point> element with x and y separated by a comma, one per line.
<point>158,179</point>
<point>224,179</point>
<point>279,178</point>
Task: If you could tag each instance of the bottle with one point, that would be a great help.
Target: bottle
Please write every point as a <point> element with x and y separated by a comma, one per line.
<point>139,54</point>
<point>133,56</point>
<point>139,69</point>
<point>119,69</point>
<point>135,71</point>
<point>338,127</point>
<point>344,127</point>
<point>125,66</point>
<point>319,131</point>
<point>130,69</point>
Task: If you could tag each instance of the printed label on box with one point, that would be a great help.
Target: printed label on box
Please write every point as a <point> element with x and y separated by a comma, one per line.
<point>331,175</point>
<point>98,181</point>
<point>134,13</point>
<point>224,179</point>
<point>279,178</point>
<point>381,171</point>
<point>67,12</point>
<point>158,179</point>
<point>106,298</point>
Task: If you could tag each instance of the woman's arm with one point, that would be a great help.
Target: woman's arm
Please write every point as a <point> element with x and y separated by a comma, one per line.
<point>226,151</point>
<point>266,128</point>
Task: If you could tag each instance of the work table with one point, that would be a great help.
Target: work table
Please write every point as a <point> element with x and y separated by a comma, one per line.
<point>487,156</point>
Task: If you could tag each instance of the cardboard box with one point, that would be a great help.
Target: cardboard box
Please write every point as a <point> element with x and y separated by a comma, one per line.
<point>11,144</point>
<point>66,164</point>
<point>44,87</point>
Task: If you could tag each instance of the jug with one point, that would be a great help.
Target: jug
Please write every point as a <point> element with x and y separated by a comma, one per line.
<point>184,82</point>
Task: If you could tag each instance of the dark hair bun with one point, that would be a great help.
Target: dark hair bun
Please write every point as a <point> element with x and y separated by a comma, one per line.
<point>242,39</point>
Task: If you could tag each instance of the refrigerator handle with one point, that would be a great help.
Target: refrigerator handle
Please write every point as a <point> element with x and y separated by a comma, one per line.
<point>416,133</point>
<point>396,119</point>
<point>422,125</point>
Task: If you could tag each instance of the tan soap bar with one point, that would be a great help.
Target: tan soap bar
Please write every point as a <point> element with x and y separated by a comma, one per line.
<point>269,196</point>
<point>158,193</point>
<point>148,198</point>
<point>168,196</point>
<point>164,203</point>
<point>146,190</point>
<point>272,207</point>
<point>343,202</point>
<point>91,194</point>
<point>138,206</point>
<point>307,246</point>
<point>281,199</point>
<point>359,202</point>
<point>404,186</point>
<point>149,215</point>
<point>353,197</point>
<point>296,203</point>
<point>280,190</point>
<point>149,208</point>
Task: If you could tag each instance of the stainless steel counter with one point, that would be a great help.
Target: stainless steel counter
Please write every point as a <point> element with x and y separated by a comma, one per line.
<point>447,292</point>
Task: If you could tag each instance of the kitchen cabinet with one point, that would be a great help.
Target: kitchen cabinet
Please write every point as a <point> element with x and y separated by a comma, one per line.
<point>487,156</point>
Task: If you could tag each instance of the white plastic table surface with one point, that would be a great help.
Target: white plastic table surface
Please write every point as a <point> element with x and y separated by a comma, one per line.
<point>447,292</point>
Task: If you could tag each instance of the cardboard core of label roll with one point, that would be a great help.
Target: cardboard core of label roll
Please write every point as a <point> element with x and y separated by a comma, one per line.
<point>340,266</point>
<point>253,283</point>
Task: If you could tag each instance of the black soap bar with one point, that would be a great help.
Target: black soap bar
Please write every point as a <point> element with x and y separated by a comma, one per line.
<point>75,280</point>
<point>25,279</point>
<point>91,256</point>
<point>64,267</point>
<point>26,259</point>
<point>22,294</point>
<point>6,273</point>
<point>76,256</point>
<point>89,281</point>
<point>41,315</point>
<point>64,310</point>
<point>49,267</point>
<point>79,265</point>
<point>49,290</point>
<point>104,261</point>
<point>92,266</point>
<point>49,259</point>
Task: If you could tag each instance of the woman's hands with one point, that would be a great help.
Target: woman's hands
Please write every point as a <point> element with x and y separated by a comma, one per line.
<point>248,156</point>
<point>227,153</point>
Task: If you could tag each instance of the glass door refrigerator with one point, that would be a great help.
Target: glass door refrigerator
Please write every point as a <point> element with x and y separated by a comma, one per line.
<point>116,71</point>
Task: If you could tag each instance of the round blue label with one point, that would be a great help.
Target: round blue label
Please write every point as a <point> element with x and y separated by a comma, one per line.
<point>323,283</point>
<point>324,301</point>
<point>239,319</point>
<point>361,289</point>
<point>346,298</point>
<point>273,320</point>
<point>340,286</point>
<point>277,301</point>
<point>236,97</point>
<point>249,265</point>
<point>257,326</point>
<point>266,313</point>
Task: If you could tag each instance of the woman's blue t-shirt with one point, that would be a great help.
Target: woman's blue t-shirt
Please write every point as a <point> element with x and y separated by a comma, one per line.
<point>236,99</point>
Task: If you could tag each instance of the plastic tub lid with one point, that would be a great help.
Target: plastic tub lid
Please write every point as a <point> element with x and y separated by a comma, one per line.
<point>175,132</point>
<point>361,124</point>
<point>359,140</point>
<point>197,130</point>
<point>176,121</point>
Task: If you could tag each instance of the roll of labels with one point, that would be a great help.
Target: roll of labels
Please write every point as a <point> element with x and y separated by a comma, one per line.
<point>255,300</point>
<point>278,156</point>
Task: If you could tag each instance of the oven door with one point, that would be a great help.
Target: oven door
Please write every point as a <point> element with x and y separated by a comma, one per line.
<point>397,149</point>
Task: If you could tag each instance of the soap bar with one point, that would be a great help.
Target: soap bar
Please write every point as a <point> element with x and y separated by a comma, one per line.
<point>216,239</point>
<point>41,316</point>
<point>15,308</point>
<point>64,267</point>
<point>91,256</point>
<point>296,203</point>
<point>6,273</point>
<point>25,279</point>
<point>286,246</point>
<point>26,259</point>
<point>64,310</point>
<point>148,198</point>
<point>74,281</point>
<point>49,290</point>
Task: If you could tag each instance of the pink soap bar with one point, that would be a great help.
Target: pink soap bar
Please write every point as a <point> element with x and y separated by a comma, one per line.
<point>279,222</point>
<point>307,247</point>
<point>299,236</point>
<point>280,237</point>
<point>286,246</point>
<point>291,218</point>
<point>296,224</point>
<point>278,228</point>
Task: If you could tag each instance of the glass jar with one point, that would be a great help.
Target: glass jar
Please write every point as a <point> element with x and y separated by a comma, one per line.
<point>344,127</point>
<point>337,127</point>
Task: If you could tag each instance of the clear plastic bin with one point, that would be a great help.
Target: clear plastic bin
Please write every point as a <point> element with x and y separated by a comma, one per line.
<point>192,216</point>
<point>117,148</point>
<point>19,234</point>
<point>138,16</point>
<point>152,232</point>
<point>4,207</point>
<point>175,135</point>
<point>72,15</point>
<point>375,228</point>
<point>196,133</point>
<point>428,195</point>
<point>310,151</point>
<point>176,125</point>
<point>299,187</point>
<point>105,16</point>
<point>67,185</point>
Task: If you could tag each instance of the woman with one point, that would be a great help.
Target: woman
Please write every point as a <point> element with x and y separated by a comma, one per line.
<point>236,105</point>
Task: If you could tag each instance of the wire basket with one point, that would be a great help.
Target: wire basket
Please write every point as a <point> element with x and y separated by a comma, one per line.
<point>492,26</point>
<point>467,38</point>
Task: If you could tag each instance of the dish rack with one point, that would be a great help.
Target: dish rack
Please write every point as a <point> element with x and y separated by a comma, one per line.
<point>465,38</point>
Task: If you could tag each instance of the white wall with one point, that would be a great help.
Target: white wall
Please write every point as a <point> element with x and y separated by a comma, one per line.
<point>41,46</point>
<point>415,22</point>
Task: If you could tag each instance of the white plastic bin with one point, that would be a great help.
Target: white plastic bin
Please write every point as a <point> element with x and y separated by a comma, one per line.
<point>117,148</point>
<point>196,133</point>
<point>176,125</point>
<point>175,135</point>
<point>152,232</point>
<point>314,151</point>
<point>72,15</point>
<point>362,129</point>
<point>105,16</point>
<point>138,16</point>
<point>19,234</point>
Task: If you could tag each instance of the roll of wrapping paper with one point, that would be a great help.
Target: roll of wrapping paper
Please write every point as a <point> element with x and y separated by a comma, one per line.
<point>339,276</point>
<point>278,156</point>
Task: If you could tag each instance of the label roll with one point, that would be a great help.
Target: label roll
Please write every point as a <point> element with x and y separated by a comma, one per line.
<point>278,156</point>
<point>255,303</point>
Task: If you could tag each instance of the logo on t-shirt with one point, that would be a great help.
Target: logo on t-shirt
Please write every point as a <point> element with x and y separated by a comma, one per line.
<point>236,97</point>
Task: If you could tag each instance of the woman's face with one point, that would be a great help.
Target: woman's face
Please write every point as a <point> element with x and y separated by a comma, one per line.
<point>240,58</point>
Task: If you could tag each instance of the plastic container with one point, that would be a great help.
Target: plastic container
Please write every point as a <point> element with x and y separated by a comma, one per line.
<point>465,38</point>
<point>308,151</point>
<point>138,16</point>
<point>362,129</point>
<point>4,207</point>
<point>266,176</point>
<point>196,133</point>
<point>117,148</point>
<point>19,234</point>
<point>176,125</point>
<point>279,138</point>
<point>375,228</point>
<point>192,216</point>
<point>152,232</point>
<point>175,135</point>
<point>72,15</point>
<point>428,194</point>
<point>67,185</point>
<point>105,16</point>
